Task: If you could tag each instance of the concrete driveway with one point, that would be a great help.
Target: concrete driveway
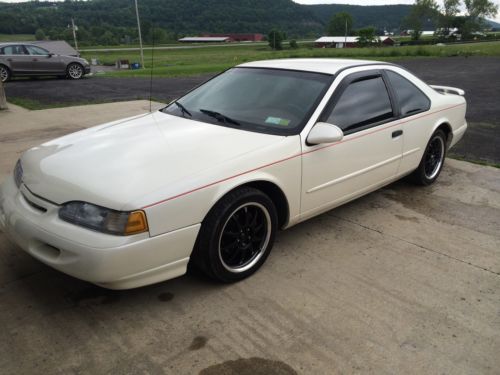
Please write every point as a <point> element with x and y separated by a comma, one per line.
<point>404,280</point>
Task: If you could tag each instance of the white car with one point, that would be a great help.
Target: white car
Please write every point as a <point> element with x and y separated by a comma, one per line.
<point>213,176</point>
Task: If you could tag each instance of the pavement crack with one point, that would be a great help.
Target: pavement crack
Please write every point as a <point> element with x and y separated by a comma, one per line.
<point>418,245</point>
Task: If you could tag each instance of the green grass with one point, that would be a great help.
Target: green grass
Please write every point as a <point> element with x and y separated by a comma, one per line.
<point>35,105</point>
<point>16,37</point>
<point>192,61</point>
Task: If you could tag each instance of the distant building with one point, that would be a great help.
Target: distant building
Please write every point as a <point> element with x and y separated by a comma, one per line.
<point>239,37</point>
<point>337,42</point>
<point>204,39</point>
<point>349,42</point>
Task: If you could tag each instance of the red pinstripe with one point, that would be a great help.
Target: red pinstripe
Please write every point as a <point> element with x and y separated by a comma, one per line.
<point>294,156</point>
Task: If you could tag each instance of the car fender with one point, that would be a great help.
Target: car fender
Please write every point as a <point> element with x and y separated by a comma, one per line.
<point>190,207</point>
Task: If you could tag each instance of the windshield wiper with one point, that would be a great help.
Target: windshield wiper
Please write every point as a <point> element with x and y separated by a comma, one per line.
<point>220,117</point>
<point>183,109</point>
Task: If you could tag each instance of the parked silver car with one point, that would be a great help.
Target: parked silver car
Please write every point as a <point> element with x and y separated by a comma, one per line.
<point>24,59</point>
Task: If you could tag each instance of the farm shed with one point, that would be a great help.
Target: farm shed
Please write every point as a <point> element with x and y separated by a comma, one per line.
<point>204,39</point>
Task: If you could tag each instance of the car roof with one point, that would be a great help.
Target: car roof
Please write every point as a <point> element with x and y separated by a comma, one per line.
<point>15,44</point>
<point>328,66</point>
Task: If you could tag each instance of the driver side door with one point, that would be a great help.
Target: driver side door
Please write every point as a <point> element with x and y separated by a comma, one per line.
<point>368,156</point>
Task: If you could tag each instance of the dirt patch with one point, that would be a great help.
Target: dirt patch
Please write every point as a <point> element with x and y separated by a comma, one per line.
<point>198,343</point>
<point>165,297</point>
<point>250,366</point>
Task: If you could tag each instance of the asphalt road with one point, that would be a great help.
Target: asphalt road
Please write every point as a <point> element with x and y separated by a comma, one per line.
<point>478,76</point>
<point>403,281</point>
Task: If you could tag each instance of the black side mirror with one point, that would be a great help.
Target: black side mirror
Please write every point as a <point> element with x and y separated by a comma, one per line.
<point>50,54</point>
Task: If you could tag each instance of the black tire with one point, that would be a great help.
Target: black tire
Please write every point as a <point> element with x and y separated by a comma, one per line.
<point>432,161</point>
<point>75,71</point>
<point>5,74</point>
<point>236,236</point>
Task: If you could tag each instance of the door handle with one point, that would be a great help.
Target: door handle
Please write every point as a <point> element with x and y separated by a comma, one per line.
<point>35,59</point>
<point>9,60</point>
<point>397,133</point>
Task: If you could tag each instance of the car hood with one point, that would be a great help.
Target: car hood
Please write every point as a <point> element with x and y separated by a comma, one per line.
<point>114,164</point>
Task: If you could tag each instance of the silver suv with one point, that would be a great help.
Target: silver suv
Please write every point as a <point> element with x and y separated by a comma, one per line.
<point>21,59</point>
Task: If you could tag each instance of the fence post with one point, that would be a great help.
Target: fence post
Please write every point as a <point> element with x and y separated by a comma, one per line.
<point>3,98</point>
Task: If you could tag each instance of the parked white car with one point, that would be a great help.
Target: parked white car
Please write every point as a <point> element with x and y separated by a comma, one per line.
<point>213,176</point>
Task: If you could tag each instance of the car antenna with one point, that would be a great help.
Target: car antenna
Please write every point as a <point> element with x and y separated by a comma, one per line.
<point>151,71</point>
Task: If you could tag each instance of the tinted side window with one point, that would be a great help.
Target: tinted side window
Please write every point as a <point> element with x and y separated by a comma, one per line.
<point>33,50</point>
<point>14,50</point>
<point>362,103</point>
<point>411,100</point>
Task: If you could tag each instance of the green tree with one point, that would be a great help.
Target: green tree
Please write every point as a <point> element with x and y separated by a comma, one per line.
<point>478,10</point>
<point>337,25</point>
<point>276,38</point>
<point>421,11</point>
<point>450,10</point>
<point>293,44</point>
<point>366,36</point>
<point>39,34</point>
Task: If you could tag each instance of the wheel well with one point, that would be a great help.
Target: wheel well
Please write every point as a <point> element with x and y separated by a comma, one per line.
<point>446,128</point>
<point>276,195</point>
<point>72,63</point>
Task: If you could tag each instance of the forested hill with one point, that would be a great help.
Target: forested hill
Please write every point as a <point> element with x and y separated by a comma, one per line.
<point>387,17</point>
<point>182,17</point>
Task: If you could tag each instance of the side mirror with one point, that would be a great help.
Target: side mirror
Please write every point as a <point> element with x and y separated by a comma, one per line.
<point>50,55</point>
<point>324,132</point>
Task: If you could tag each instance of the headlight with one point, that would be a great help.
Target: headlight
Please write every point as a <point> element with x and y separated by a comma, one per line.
<point>18,174</point>
<point>104,220</point>
<point>85,62</point>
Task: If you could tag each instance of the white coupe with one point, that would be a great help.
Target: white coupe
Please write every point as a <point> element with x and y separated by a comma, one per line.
<point>212,177</point>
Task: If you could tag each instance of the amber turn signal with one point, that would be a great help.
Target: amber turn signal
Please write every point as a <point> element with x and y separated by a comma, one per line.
<point>136,223</point>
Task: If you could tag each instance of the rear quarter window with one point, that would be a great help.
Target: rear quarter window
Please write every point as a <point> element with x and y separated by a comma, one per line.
<point>409,97</point>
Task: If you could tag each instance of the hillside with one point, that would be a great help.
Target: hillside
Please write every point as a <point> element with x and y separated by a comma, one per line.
<point>192,17</point>
<point>381,17</point>
<point>113,21</point>
<point>179,16</point>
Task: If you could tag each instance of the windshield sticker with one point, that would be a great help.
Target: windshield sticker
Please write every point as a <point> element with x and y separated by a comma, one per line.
<point>277,121</point>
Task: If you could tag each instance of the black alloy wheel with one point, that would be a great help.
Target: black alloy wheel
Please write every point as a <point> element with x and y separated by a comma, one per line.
<point>236,236</point>
<point>432,161</point>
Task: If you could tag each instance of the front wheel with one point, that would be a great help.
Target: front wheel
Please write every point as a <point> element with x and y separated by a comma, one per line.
<point>4,73</point>
<point>433,160</point>
<point>237,235</point>
<point>74,71</point>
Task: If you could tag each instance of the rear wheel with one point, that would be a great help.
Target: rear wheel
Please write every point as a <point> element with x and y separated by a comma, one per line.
<point>432,162</point>
<point>4,73</point>
<point>74,71</point>
<point>237,235</point>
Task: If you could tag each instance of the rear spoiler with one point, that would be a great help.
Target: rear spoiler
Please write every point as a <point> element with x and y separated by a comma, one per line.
<point>448,90</point>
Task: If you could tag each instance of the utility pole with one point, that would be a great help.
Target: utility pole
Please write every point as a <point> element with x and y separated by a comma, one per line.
<point>74,33</point>
<point>140,36</point>
<point>3,99</point>
<point>345,43</point>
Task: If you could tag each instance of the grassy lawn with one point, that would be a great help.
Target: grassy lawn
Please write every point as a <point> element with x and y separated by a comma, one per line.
<point>191,61</point>
<point>16,37</point>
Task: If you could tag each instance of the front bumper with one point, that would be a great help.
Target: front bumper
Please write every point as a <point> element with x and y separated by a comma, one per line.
<point>114,262</point>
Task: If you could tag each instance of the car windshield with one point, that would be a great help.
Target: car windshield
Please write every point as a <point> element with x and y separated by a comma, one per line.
<point>271,101</point>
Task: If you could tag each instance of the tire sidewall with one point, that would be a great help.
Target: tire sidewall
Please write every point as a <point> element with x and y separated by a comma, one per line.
<point>210,232</point>
<point>9,74</point>
<point>420,172</point>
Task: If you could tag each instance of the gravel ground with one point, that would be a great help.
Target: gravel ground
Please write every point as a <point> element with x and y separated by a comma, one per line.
<point>476,75</point>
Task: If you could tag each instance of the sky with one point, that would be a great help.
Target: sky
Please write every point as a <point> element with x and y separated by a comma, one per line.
<point>354,2</point>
